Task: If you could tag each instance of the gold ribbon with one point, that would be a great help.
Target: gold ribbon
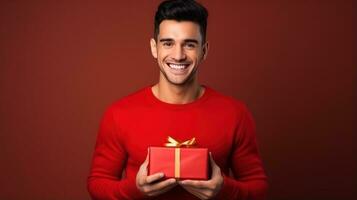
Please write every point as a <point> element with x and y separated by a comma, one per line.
<point>177,163</point>
<point>174,143</point>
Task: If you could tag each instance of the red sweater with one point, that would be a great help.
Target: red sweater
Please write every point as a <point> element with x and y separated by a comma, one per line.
<point>132,124</point>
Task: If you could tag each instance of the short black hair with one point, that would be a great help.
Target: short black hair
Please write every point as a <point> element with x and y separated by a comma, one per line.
<point>182,10</point>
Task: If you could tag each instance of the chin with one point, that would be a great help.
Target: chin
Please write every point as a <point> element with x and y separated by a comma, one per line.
<point>177,82</point>
<point>182,82</point>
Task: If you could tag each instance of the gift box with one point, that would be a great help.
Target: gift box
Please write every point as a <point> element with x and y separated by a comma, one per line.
<point>179,161</point>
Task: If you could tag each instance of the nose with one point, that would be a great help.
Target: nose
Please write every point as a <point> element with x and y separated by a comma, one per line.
<point>179,53</point>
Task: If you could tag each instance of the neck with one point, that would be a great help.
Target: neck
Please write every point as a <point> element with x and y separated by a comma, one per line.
<point>177,94</point>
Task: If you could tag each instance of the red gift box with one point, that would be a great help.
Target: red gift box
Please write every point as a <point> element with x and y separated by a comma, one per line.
<point>180,163</point>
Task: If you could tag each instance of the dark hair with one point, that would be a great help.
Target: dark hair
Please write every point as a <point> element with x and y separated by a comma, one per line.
<point>182,10</point>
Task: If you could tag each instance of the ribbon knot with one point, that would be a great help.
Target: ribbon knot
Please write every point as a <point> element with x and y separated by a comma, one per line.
<point>174,143</point>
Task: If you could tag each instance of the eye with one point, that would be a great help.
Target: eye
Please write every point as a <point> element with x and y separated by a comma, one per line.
<point>190,45</point>
<point>167,44</point>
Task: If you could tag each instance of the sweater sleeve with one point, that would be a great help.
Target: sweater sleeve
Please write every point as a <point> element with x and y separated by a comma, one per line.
<point>249,181</point>
<point>104,181</point>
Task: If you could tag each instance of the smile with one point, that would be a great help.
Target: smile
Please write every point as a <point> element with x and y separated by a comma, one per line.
<point>178,66</point>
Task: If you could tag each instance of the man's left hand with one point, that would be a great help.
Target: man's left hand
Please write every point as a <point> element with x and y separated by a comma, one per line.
<point>205,189</point>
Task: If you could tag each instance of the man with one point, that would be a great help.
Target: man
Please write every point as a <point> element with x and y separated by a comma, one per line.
<point>180,107</point>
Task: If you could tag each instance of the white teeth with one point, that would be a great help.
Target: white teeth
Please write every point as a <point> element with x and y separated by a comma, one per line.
<point>176,66</point>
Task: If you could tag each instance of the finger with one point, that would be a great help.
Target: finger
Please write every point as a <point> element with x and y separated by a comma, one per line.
<point>166,189</point>
<point>194,184</point>
<point>162,185</point>
<point>144,165</point>
<point>204,187</point>
<point>213,163</point>
<point>142,173</point>
<point>142,179</point>
<point>146,162</point>
<point>156,187</point>
<point>215,168</point>
<point>154,177</point>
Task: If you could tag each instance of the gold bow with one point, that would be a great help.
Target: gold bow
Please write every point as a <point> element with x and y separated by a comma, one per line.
<point>174,143</point>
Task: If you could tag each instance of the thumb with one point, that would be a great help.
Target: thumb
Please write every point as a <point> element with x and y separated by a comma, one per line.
<point>215,168</point>
<point>146,162</point>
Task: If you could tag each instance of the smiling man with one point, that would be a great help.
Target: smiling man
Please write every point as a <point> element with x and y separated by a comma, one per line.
<point>178,106</point>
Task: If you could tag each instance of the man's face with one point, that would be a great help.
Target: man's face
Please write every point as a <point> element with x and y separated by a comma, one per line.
<point>179,51</point>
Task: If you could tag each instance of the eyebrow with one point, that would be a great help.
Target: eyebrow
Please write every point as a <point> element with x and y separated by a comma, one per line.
<point>171,40</point>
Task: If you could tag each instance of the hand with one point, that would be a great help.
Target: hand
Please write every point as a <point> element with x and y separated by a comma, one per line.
<point>205,189</point>
<point>150,185</point>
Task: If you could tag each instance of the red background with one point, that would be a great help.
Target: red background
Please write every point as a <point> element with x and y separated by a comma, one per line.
<point>292,62</point>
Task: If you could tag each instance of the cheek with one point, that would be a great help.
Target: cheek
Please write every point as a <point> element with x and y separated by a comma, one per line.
<point>195,56</point>
<point>161,55</point>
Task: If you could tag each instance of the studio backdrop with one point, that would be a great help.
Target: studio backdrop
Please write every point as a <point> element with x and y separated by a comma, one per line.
<point>62,63</point>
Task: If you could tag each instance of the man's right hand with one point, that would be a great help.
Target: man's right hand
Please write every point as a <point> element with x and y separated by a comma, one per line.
<point>150,185</point>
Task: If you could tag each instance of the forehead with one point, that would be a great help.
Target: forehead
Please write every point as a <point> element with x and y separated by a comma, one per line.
<point>179,30</point>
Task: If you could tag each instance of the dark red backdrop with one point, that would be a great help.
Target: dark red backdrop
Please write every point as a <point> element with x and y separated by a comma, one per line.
<point>292,62</point>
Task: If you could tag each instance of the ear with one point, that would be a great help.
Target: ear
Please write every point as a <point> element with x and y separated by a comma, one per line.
<point>153,48</point>
<point>205,51</point>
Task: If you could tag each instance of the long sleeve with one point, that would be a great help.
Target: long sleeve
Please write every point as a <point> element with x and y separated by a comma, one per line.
<point>249,181</point>
<point>104,181</point>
